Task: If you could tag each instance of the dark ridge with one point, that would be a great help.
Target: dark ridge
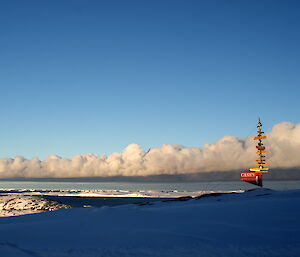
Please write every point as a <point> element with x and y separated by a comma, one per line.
<point>256,189</point>
<point>78,201</point>
<point>214,195</point>
<point>181,199</point>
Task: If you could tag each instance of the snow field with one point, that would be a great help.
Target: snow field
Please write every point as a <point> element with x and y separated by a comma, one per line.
<point>255,223</point>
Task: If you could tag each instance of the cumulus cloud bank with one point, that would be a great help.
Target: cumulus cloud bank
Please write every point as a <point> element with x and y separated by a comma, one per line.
<point>228,154</point>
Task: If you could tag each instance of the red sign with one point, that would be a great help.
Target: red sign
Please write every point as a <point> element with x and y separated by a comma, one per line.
<point>248,175</point>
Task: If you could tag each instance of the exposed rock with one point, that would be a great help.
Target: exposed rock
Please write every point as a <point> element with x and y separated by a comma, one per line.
<point>18,205</point>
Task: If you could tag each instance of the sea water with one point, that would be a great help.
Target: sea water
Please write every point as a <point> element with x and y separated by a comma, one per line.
<point>138,186</point>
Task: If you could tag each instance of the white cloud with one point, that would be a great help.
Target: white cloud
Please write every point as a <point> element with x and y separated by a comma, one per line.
<point>227,154</point>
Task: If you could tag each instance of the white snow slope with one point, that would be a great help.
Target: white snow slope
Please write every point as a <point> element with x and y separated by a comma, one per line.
<point>256,223</point>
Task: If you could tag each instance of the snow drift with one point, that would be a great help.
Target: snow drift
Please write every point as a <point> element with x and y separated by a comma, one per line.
<point>228,154</point>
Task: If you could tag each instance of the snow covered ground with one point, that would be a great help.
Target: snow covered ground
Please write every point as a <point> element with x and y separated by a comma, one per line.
<point>255,223</point>
<point>15,202</point>
<point>107,193</point>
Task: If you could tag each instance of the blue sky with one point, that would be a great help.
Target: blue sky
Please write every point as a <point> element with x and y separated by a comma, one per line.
<point>95,76</point>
